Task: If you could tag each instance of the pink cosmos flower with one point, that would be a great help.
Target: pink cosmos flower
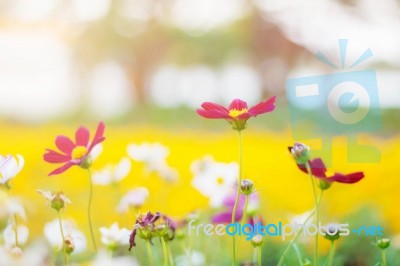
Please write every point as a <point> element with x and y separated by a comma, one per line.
<point>77,153</point>
<point>237,113</point>
<point>319,170</point>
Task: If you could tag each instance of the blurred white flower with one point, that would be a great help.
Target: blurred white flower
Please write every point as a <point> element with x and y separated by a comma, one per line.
<point>10,167</point>
<point>301,218</point>
<point>213,179</point>
<point>154,156</point>
<point>112,173</point>
<point>53,235</point>
<point>10,206</point>
<point>114,236</point>
<point>135,198</point>
<point>104,259</point>
<point>9,235</point>
<point>196,258</point>
<point>33,255</point>
<point>96,151</point>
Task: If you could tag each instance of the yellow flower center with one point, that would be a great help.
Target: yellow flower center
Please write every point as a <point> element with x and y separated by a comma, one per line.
<point>235,113</point>
<point>78,152</point>
<point>220,180</point>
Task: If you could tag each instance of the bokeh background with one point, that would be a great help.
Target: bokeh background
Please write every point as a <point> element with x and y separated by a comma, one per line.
<point>144,66</point>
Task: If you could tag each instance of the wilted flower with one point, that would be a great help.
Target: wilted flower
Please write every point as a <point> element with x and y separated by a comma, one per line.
<point>319,170</point>
<point>112,174</point>
<point>57,200</point>
<point>149,225</point>
<point>77,153</point>
<point>10,167</point>
<point>114,236</point>
<point>9,235</point>
<point>237,113</point>
<point>225,216</point>
<point>76,237</point>
<point>154,156</point>
<point>214,181</point>
<point>300,152</point>
<point>135,198</point>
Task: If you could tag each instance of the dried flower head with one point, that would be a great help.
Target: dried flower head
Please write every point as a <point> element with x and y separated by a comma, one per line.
<point>57,200</point>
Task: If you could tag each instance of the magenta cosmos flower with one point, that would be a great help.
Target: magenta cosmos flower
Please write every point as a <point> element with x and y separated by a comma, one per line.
<point>319,170</point>
<point>237,113</point>
<point>74,153</point>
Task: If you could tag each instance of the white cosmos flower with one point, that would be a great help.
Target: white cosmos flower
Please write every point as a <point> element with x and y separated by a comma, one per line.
<point>112,173</point>
<point>214,180</point>
<point>10,206</point>
<point>135,198</point>
<point>53,235</point>
<point>9,235</point>
<point>10,167</point>
<point>154,156</point>
<point>196,258</point>
<point>104,259</point>
<point>33,255</point>
<point>114,236</point>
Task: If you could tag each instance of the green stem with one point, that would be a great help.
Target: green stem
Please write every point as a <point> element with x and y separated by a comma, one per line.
<point>243,218</point>
<point>316,213</point>
<point>171,258</point>
<point>298,253</point>
<point>89,213</point>
<point>259,256</point>
<point>164,247</point>
<point>16,230</point>
<point>383,253</point>
<point>331,253</point>
<point>149,252</point>
<point>237,195</point>
<point>255,256</point>
<point>63,237</point>
<point>282,259</point>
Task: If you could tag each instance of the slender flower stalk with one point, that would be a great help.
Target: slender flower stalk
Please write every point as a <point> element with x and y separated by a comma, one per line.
<point>89,213</point>
<point>16,230</point>
<point>171,258</point>
<point>332,253</point>
<point>63,239</point>
<point>259,263</point>
<point>316,212</point>
<point>383,255</point>
<point>237,194</point>
<point>165,251</point>
<point>149,252</point>
<point>246,203</point>
<point>285,252</point>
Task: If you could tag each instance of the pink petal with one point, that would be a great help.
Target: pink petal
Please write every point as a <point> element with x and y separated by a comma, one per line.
<point>62,169</point>
<point>238,104</point>
<point>98,136</point>
<point>82,136</point>
<point>214,106</point>
<point>65,144</point>
<point>213,114</point>
<point>263,107</point>
<point>54,157</point>
<point>348,179</point>
<point>318,168</point>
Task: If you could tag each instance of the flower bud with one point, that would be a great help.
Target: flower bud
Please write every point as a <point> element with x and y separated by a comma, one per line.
<point>57,202</point>
<point>300,152</point>
<point>69,246</point>
<point>16,252</point>
<point>332,232</point>
<point>86,162</point>
<point>257,241</point>
<point>324,185</point>
<point>247,187</point>
<point>383,243</point>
